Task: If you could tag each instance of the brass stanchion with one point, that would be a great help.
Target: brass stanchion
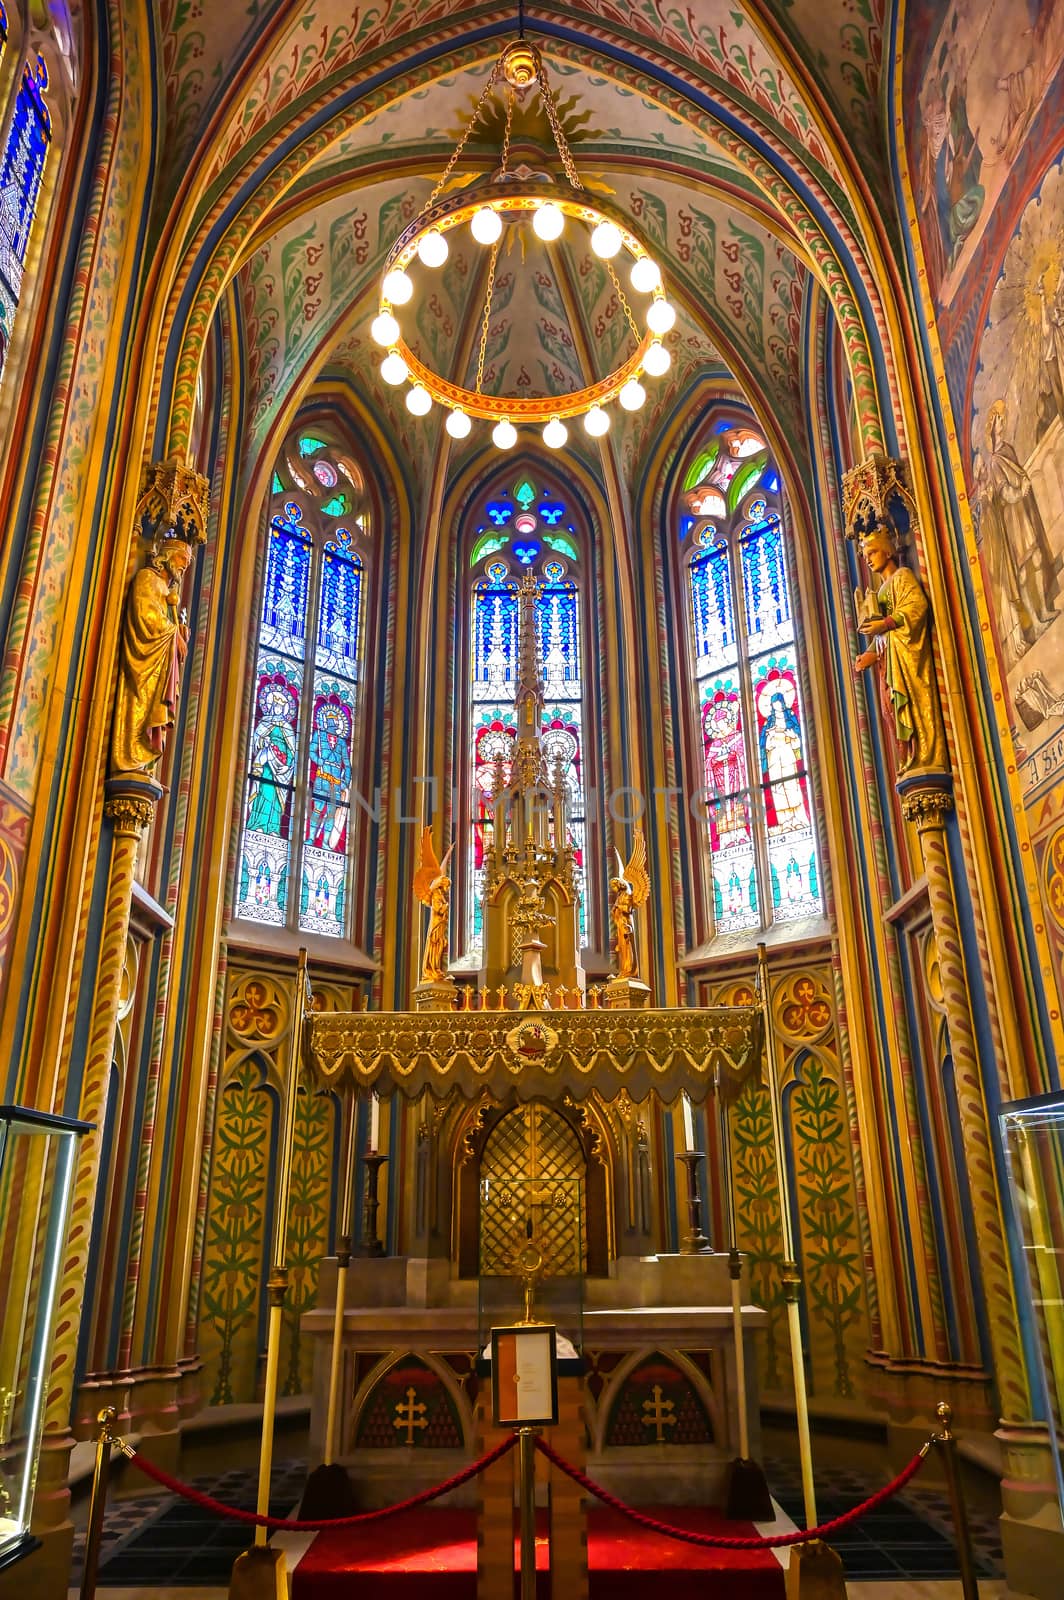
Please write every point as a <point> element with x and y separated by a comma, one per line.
<point>260,1573</point>
<point>965,1559</point>
<point>527,1495</point>
<point>101,1476</point>
<point>746,1494</point>
<point>815,1569</point>
<point>328,1492</point>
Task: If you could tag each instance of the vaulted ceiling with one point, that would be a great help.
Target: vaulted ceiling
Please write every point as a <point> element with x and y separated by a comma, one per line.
<point>335,120</point>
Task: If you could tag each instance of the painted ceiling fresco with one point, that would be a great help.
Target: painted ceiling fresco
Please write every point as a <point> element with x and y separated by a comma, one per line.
<point>557,319</point>
<point>301,49</point>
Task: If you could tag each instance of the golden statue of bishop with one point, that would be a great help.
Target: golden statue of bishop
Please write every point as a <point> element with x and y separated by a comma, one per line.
<point>629,889</point>
<point>433,888</point>
<point>154,643</point>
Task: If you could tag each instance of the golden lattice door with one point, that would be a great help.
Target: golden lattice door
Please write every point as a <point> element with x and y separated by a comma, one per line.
<point>532,1171</point>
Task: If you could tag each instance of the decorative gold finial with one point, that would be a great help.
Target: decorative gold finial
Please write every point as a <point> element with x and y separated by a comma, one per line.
<point>521,64</point>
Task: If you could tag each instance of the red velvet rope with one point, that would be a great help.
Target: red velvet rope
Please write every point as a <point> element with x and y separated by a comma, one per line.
<point>291,1524</point>
<point>722,1542</point>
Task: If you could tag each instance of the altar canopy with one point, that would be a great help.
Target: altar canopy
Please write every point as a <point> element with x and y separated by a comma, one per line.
<point>535,1054</point>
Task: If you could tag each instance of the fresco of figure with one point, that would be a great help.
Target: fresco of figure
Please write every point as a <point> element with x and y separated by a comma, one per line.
<point>1015,547</point>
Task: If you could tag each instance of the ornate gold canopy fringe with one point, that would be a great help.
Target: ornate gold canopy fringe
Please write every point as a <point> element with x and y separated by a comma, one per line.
<point>538,1053</point>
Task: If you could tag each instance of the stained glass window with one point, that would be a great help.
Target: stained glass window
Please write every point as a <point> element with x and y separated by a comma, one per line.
<point>763,855</point>
<point>296,837</point>
<point>21,172</point>
<point>499,559</point>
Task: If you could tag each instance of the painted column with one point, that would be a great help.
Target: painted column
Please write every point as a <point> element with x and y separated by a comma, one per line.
<point>927,807</point>
<point>880,516</point>
<point>130,807</point>
<point>171,514</point>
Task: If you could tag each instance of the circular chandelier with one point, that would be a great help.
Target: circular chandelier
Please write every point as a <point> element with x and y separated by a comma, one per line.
<point>488,206</point>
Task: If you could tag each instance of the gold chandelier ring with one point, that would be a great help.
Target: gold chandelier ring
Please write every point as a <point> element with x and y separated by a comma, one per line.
<point>510,408</point>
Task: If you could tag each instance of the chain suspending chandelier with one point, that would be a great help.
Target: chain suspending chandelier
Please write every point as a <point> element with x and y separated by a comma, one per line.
<point>512,198</point>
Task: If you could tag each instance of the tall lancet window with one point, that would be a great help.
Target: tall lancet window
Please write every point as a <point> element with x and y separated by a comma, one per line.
<point>21,171</point>
<point>752,740</point>
<point>526,529</point>
<point>294,867</point>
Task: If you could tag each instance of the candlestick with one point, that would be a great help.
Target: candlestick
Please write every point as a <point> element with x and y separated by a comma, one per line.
<point>371,1244</point>
<point>374,1122</point>
<point>688,1123</point>
<point>695,1242</point>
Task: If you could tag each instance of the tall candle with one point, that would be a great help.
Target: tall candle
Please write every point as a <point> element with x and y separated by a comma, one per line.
<point>688,1124</point>
<point>374,1123</point>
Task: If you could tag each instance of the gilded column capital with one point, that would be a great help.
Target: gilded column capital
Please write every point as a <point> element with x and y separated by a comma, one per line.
<point>130,804</point>
<point>927,806</point>
<point>174,500</point>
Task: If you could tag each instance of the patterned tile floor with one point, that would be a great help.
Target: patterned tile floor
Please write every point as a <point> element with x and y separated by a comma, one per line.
<point>160,1539</point>
<point>910,1536</point>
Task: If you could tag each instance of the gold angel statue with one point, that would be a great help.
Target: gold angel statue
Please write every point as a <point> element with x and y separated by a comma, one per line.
<point>629,889</point>
<point>433,888</point>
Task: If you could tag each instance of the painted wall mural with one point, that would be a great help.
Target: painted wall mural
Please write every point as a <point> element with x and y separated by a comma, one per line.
<point>1017,444</point>
<point>243,1189</point>
<point>978,83</point>
<point>828,1228</point>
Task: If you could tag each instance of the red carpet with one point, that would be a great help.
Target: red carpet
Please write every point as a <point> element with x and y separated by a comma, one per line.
<point>431,1555</point>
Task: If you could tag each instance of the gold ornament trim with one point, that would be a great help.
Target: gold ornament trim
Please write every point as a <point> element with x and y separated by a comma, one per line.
<point>601,1052</point>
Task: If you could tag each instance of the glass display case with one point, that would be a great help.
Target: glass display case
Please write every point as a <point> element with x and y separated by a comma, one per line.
<point>1033,1136</point>
<point>533,1253</point>
<point>38,1158</point>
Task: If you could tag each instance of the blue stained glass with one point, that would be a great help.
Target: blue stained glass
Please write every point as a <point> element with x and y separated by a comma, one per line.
<point>293,511</point>
<point>766,594</point>
<point>558,541</point>
<point>524,494</point>
<point>284,598</point>
<point>500,512</point>
<point>526,553</point>
<point>686,524</point>
<point>20,185</point>
<point>711,604</point>
<point>309,446</point>
<point>494,636</point>
<point>3,23</point>
<point>552,513</point>
<point>340,607</point>
<point>559,625</point>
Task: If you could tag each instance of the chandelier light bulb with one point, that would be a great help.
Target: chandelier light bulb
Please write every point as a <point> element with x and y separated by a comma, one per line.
<point>660,316</point>
<point>504,435</point>
<point>632,395</point>
<point>597,422</point>
<point>418,400</point>
<point>548,222</point>
<point>646,275</point>
<point>458,424</point>
<point>432,248</point>
<point>485,225</point>
<point>384,329</point>
<point>393,368</point>
<point>397,287</point>
<point>555,434</point>
<point>606,240</point>
<point>657,360</point>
